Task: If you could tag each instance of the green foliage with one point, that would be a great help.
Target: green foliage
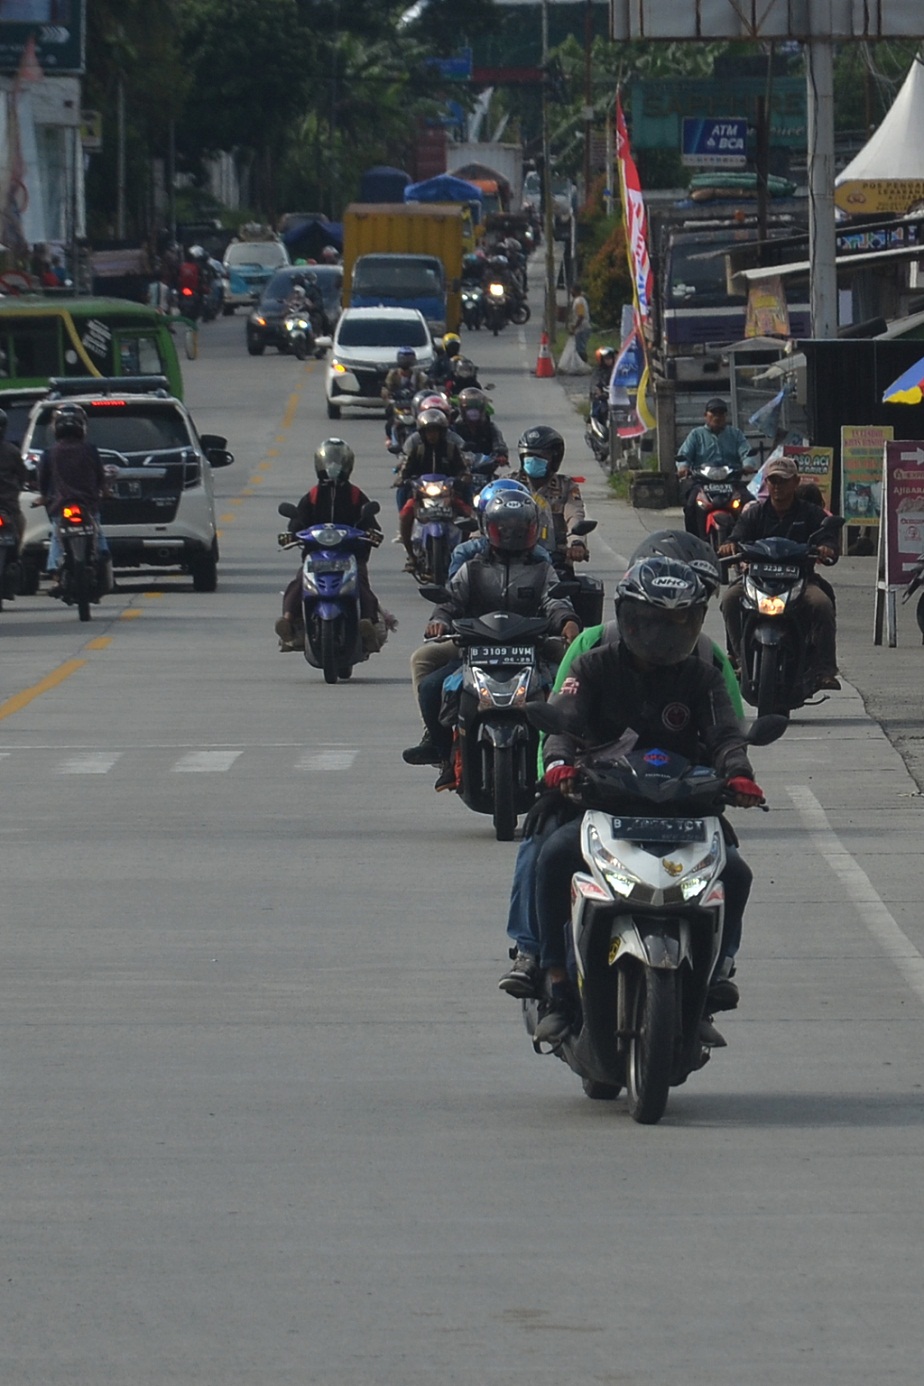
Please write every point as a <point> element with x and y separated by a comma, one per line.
<point>606,278</point>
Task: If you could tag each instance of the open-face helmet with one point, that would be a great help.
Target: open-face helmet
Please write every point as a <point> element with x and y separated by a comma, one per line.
<point>432,418</point>
<point>606,355</point>
<point>660,608</point>
<point>464,371</point>
<point>687,548</point>
<point>541,443</point>
<point>334,460</point>
<point>406,357</point>
<point>452,343</point>
<point>70,421</point>
<point>511,522</point>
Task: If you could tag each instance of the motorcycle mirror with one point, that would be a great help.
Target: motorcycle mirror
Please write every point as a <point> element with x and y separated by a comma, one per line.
<point>369,509</point>
<point>323,343</point>
<point>833,522</point>
<point>466,524</point>
<point>432,592</point>
<point>565,589</point>
<point>584,527</point>
<point>490,385</point>
<point>287,509</point>
<point>763,731</point>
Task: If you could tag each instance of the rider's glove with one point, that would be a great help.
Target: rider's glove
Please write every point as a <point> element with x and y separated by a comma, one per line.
<point>744,788</point>
<point>558,776</point>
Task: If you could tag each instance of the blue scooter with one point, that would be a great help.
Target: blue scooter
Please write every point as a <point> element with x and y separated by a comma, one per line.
<point>331,590</point>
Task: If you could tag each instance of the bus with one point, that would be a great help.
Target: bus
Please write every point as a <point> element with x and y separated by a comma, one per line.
<point>43,338</point>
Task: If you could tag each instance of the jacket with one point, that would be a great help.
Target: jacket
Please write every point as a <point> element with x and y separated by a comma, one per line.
<point>71,471</point>
<point>494,581</point>
<point>560,496</point>
<point>759,520</point>
<point>684,709</point>
<point>445,459</point>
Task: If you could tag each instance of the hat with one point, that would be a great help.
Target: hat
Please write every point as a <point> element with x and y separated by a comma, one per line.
<point>716,406</point>
<point>781,466</point>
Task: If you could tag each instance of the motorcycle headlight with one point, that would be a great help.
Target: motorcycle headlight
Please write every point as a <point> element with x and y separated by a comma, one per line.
<point>617,876</point>
<point>696,880</point>
<point>496,290</point>
<point>771,606</point>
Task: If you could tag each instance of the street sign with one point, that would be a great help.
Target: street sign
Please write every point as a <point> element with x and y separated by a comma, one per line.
<point>708,20</point>
<point>658,107</point>
<point>455,69</point>
<point>714,143</point>
<point>91,131</point>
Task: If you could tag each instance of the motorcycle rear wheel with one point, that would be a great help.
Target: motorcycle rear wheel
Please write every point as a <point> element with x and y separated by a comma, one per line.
<point>505,816</point>
<point>81,580</point>
<point>520,315</point>
<point>652,1019</point>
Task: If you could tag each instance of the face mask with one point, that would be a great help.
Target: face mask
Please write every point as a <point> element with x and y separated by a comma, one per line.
<point>473,415</point>
<point>536,466</point>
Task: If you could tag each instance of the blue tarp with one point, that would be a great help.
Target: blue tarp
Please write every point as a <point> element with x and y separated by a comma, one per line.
<point>445,188</point>
<point>308,238</point>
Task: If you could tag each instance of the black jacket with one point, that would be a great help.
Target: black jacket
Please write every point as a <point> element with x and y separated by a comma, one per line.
<point>504,582</point>
<point>759,520</point>
<point>684,709</point>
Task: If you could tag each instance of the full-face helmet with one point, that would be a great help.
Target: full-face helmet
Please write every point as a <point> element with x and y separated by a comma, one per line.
<point>431,419</point>
<point>497,488</point>
<point>70,421</point>
<point>660,608</point>
<point>464,371</point>
<point>687,548</point>
<point>473,405</point>
<point>511,522</point>
<point>334,460</point>
<point>406,357</point>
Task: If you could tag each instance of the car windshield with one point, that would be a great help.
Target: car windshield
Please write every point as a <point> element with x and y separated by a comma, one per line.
<point>399,279</point>
<point>382,332</point>
<point>268,254</point>
<point>697,276</point>
<point>122,427</point>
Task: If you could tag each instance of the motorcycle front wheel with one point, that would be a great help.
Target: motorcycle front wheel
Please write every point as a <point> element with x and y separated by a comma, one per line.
<point>767,683</point>
<point>438,559</point>
<point>505,815</point>
<point>329,651</point>
<point>652,1025</point>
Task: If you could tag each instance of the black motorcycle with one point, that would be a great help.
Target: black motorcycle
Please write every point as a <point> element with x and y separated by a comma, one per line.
<point>472,306</point>
<point>10,567</point>
<point>82,576</point>
<point>584,593</point>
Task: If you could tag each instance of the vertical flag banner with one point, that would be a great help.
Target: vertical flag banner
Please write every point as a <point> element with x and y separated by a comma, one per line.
<point>635,223</point>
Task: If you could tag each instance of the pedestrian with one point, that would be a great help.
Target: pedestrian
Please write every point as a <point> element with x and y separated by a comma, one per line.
<point>579,325</point>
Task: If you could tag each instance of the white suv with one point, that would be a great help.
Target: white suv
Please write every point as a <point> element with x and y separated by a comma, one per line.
<point>160,512</point>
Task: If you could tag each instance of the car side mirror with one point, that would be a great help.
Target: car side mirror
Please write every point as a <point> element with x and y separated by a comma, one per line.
<point>219,457</point>
<point>212,440</point>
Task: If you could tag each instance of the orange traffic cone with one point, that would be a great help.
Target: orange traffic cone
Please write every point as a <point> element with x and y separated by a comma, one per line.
<point>545,366</point>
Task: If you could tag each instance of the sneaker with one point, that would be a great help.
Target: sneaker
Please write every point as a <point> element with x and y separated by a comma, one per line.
<point>828,682</point>
<point>723,995</point>
<point>447,776</point>
<point>411,564</point>
<point>369,636</point>
<point>424,753</point>
<point>285,629</point>
<point>520,978</point>
<point>710,1036</point>
<point>556,1016</point>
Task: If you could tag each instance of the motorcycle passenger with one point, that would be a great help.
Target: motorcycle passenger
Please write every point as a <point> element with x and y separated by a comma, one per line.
<point>192,282</point>
<point>648,683</point>
<point>402,382</point>
<point>479,543</point>
<point>786,516</point>
<point>70,472</point>
<point>509,577</point>
<point>522,927</point>
<point>600,383</point>
<point>714,443</point>
<point>477,429</point>
<point>430,450</point>
<point>541,451</point>
<point>446,353</point>
<point>13,476</point>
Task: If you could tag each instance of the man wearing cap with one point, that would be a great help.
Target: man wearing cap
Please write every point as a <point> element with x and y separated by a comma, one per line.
<point>785,515</point>
<point>715,443</point>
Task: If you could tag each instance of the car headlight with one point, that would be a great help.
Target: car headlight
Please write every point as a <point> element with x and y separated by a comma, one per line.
<point>338,367</point>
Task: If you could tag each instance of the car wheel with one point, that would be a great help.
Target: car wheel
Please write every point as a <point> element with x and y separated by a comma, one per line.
<point>227,310</point>
<point>255,347</point>
<point>203,568</point>
<point>333,410</point>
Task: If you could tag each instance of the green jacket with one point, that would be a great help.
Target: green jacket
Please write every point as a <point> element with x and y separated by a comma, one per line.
<point>590,638</point>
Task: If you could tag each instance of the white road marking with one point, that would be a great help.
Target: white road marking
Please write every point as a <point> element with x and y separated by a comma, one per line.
<point>334,758</point>
<point>205,761</point>
<point>89,763</point>
<point>872,911</point>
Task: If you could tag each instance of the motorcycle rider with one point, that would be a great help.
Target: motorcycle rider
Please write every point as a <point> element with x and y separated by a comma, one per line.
<point>648,683</point>
<point>193,281</point>
<point>430,450</point>
<point>477,429</point>
<point>713,443</point>
<point>600,383</point>
<point>334,500</point>
<point>541,451</point>
<point>402,382</point>
<point>522,927</point>
<point>446,353</point>
<point>464,376</point>
<point>509,577</point>
<point>785,515</point>
<point>13,477</point>
<point>70,472</point>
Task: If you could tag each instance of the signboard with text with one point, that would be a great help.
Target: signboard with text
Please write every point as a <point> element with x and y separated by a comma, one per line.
<point>862,448</point>
<point>815,464</point>
<point>658,108</point>
<point>902,509</point>
<point>56,27</point>
<point>714,143</point>
<point>707,20</point>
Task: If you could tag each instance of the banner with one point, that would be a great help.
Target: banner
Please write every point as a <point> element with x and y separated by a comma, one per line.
<point>861,472</point>
<point>636,228</point>
<point>902,509</point>
<point>815,464</point>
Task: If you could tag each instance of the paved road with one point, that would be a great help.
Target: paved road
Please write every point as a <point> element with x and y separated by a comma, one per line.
<point>266,1116</point>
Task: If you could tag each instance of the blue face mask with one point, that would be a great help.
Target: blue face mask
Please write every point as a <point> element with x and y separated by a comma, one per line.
<point>536,466</point>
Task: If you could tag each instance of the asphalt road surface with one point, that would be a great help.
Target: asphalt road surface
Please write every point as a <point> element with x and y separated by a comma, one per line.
<point>266,1117</point>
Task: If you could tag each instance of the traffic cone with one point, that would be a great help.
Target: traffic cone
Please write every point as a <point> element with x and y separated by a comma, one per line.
<point>545,366</point>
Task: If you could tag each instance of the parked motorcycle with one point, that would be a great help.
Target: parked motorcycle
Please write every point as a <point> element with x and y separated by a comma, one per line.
<point>435,533</point>
<point>776,674</point>
<point>646,918</point>
<point>330,590</point>
<point>503,670</point>
<point>472,306</point>
<point>721,493</point>
<point>10,567</point>
<point>915,581</point>
<point>597,436</point>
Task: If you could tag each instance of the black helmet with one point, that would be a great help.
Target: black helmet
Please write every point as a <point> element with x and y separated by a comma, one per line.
<point>689,549</point>
<point>543,441</point>
<point>334,460</point>
<point>511,522</point>
<point>70,421</point>
<point>660,608</point>
<point>406,356</point>
<point>464,369</point>
<point>473,404</point>
<point>432,418</point>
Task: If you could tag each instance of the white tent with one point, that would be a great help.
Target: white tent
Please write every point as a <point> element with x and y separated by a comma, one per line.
<point>895,152</point>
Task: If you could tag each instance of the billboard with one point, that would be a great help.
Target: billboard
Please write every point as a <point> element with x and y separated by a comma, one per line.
<point>56,28</point>
<point>659,108</point>
<point>765,19</point>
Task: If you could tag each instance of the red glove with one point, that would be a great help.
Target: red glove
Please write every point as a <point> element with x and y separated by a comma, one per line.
<point>557,776</point>
<point>745,788</point>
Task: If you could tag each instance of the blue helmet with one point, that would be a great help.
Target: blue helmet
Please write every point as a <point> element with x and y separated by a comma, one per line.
<point>496,488</point>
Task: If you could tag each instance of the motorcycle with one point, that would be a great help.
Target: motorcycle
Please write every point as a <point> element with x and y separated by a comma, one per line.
<point>403,424</point>
<point>435,533</point>
<point>84,575</point>
<point>10,567</point>
<point>776,674</point>
<point>597,436</point>
<point>495,747</point>
<point>646,918</point>
<point>299,335</point>
<point>914,582</point>
<point>472,306</point>
<point>501,307</point>
<point>330,591</point>
<point>483,467</point>
<point>721,493</point>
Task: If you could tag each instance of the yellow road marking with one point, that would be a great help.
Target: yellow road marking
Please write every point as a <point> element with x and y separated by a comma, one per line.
<point>23,699</point>
<point>272,452</point>
<point>100,642</point>
<point>264,466</point>
<point>236,500</point>
<point>256,480</point>
<point>291,409</point>
<point>227,519</point>
<point>130,615</point>
<point>152,596</point>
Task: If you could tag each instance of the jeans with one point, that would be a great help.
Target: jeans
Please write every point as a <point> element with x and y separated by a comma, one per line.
<point>560,856</point>
<point>430,697</point>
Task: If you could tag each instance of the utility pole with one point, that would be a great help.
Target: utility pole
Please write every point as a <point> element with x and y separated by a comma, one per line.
<point>588,112</point>
<point>549,222</point>
<point>822,234</point>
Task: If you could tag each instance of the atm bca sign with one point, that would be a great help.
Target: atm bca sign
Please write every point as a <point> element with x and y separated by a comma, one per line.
<point>714,143</point>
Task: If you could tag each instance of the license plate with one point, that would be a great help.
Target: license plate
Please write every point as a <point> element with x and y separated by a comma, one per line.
<point>718,492</point>
<point>659,829</point>
<point>778,570</point>
<point>501,654</point>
